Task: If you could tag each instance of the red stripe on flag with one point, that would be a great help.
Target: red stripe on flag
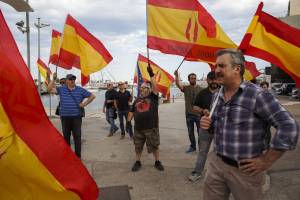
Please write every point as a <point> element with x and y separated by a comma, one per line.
<point>67,60</point>
<point>176,4</point>
<point>252,69</point>
<point>55,33</point>
<point>188,50</point>
<point>280,29</point>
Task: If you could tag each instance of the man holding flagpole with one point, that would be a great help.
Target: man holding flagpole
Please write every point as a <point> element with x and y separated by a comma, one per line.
<point>72,99</point>
<point>239,123</point>
<point>145,113</point>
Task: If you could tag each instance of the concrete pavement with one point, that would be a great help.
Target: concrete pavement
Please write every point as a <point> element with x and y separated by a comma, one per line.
<point>110,159</point>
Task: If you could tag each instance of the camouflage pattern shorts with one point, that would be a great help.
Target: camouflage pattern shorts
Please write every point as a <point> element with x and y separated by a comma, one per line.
<point>150,136</point>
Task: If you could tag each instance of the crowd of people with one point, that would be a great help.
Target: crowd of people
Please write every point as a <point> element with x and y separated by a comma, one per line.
<point>232,114</point>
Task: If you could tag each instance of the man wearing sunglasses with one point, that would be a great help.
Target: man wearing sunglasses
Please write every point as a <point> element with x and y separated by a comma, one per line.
<point>72,98</point>
<point>145,113</point>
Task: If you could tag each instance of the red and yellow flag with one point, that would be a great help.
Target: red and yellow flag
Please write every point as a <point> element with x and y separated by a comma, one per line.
<point>251,71</point>
<point>185,28</point>
<point>272,40</point>
<point>81,49</point>
<point>55,46</point>
<point>163,79</point>
<point>35,161</point>
<point>43,69</point>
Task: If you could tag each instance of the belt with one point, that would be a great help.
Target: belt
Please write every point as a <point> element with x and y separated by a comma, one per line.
<point>228,161</point>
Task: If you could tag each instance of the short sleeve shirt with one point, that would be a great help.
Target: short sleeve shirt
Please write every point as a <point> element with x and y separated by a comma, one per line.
<point>68,106</point>
<point>123,100</point>
<point>190,93</point>
<point>110,95</point>
<point>145,112</point>
<point>203,99</point>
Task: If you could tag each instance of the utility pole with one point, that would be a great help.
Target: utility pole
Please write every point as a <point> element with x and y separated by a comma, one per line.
<point>39,25</point>
<point>28,39</point>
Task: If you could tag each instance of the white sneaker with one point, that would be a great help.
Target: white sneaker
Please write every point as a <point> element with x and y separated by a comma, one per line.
<point>194,177</point>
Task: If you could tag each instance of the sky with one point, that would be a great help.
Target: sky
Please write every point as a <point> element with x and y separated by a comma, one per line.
<point>121,26</point>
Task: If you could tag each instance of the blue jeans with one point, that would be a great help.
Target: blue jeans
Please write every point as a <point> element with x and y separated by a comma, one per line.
<point>190,120</point>
<point>110,119</point>
<point>123,114</point>
<point>205,139</point>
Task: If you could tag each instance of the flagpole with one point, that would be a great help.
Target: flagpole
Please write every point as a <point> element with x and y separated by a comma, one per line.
<point>147,31</point>
<point>180,64</point>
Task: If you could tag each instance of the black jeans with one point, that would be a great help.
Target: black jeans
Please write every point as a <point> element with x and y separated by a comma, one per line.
<point>192,119</point>
<point>122,115</point>
<point>72,125</point>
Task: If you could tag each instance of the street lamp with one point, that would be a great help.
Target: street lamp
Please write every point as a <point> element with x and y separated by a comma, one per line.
<point>39,25</point>
<point>26,29</point>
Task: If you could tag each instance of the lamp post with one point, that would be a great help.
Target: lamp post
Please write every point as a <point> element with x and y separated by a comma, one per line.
<point>39,25</point>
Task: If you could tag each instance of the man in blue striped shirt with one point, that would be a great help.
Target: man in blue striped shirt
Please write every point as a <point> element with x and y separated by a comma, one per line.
<point>239,124</point>
<point>71,101</point>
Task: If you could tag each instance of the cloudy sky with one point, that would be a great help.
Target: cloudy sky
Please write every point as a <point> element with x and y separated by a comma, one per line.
<point>121,26</point>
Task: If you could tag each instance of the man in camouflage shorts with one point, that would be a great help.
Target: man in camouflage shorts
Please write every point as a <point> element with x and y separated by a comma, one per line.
<point>145,113</point>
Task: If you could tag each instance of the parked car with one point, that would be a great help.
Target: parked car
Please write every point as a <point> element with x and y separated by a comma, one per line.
<point>296,93</point>
<point>285,88</point>
<point>275,85</point>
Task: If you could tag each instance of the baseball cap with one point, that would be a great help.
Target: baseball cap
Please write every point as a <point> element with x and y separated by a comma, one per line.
<point>71,76</point>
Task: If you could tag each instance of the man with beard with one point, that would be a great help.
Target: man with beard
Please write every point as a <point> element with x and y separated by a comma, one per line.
<point>239,124</point>
<point>190,91</point>
<point>202,105</point>
<point>145,113</point>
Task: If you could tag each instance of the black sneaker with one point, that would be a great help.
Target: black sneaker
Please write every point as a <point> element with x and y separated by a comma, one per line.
<point>159,166</point>
<point>137,166</point>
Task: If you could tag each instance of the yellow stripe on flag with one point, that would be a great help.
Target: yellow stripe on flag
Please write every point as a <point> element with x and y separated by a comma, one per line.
<point>23,176</point>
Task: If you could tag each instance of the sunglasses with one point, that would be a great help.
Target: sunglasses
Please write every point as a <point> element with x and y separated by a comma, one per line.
<point>72,79</point>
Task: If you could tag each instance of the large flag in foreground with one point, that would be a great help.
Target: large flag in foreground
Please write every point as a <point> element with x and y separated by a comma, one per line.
<point>163,79</point>
<point>35,161</point>
<point>81,49</point>
<point>270,39</point>
<point>43,69</point>
<point>185,28</point>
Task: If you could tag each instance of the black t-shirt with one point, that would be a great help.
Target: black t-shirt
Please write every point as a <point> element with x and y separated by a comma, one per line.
<point>145,112</point>
<point>110,95</point>
<point>203,99</point>
<point>123,100</point>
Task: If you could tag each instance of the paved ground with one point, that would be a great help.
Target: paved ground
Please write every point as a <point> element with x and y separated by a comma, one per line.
<point>109,160</point>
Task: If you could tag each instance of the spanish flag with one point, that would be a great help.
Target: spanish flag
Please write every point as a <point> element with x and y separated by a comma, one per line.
<point>251,71</point>
<point>55,46</point>
<point>43,69</point>
<point>35,161</point>
<point>185,28</point>
<point>81,49</point>
<point>272,40</point>
<point>163,79</point>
